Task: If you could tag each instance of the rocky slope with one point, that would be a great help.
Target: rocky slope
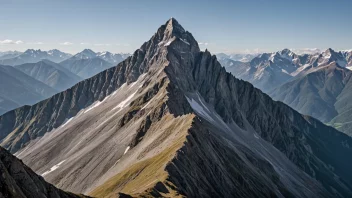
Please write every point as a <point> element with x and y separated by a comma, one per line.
<point>169,121</point>
<point>19,181</point>
<point>51,74</point>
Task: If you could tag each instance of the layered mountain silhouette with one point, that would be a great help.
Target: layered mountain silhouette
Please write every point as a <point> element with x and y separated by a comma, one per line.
<point>17,89</point>
<point>236,57</point>
<point>88,63</point>
<point>33,56</point>
<point>9,54</point>
<point>268,71</point>
<point>321,93</point>
<point>169,121</point>
<point>315,85</point>
<point>51,74</point>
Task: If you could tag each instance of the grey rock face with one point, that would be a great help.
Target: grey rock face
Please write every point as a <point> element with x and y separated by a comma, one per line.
<point>19,181</point>
<point>173,109</point>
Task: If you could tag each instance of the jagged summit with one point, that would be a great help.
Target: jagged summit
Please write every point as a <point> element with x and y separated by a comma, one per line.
<point>172,30</point>
<point>172,26</point>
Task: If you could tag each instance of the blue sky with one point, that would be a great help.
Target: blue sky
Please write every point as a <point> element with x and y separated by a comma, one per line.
<point>224,25</point>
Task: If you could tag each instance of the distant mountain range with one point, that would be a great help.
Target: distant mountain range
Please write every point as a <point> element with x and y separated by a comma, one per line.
<point>169,121</point>
<point>17,89</point>
<point>44,76</point>
<point>88,63</point>
<point>268,71</point>
<point>106,56</point>
<point>33,56</point>
<point>50,73</point>
<point>9,54</point>
<point>13,58</point>
<point>313,84</point>
<point>236,57</point>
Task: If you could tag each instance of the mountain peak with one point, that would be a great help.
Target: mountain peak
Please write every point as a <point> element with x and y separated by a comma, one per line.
<point>88,51</point>
<point>329,51</point>
<point>285,51</point>
<point>173,28</point>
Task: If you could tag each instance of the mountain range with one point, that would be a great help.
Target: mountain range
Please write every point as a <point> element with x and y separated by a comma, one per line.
<point>17,89</point>
<point>268,71</point>
<point>51,74</point>
<point>236,57</point>
<point>313,84</point>
<point>33,56</point>
<point>88,63</point>
<point>9,54</point>
<point>45,76</point>
<point>169,121</point>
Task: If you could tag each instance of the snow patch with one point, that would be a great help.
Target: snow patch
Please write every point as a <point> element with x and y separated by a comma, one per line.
<point>69,120</point>
<point>146,105</point>
<point>185,41</point>
<point>93,106</point>
<point>284,71</point>
<point>124,103</point>
<point>168,43</point>
<point>256,135</point>
<point>53,168</point>
<point>128,148</point>
<point>200,108</point>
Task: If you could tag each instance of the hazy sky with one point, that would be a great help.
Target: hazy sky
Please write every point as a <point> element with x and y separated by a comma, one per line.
<point>224,25</point>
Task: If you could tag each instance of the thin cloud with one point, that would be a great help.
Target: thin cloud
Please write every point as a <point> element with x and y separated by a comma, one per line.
<point>203,43</point>
<point>85,43</point>
<point>36,43</point>
<point>8,41</point>
<point>100,44</point>
<point>66,43</point>
<point>307,51</point>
